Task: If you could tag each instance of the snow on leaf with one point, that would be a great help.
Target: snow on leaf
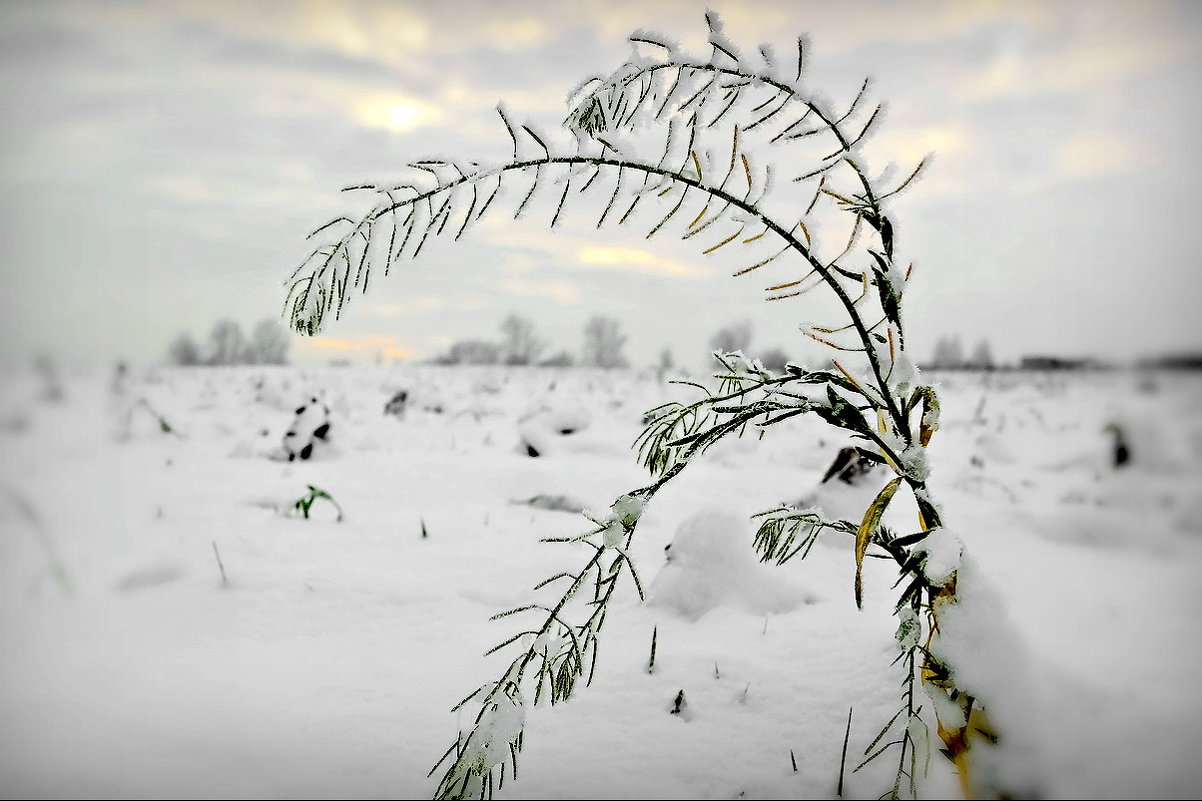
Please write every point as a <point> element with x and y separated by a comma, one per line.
<point>909,628</point>
<point>914,462</point>
<point>613,534</point>
<point>940,553</point>
<point>627,509</point>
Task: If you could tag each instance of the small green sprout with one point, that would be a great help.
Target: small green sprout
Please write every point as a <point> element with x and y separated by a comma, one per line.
<point>304,503</point>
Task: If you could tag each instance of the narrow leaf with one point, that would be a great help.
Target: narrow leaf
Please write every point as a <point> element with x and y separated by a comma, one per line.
<point>871,518</point>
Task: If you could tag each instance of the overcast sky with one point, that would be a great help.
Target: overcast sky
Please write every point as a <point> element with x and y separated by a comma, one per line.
<point>162,163</point>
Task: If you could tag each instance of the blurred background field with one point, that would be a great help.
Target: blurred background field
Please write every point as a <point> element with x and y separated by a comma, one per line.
<point>320,658</point>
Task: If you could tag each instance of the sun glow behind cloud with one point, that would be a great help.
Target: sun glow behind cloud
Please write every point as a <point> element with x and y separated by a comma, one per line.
<point>640,260</point>
<point>395,113</point>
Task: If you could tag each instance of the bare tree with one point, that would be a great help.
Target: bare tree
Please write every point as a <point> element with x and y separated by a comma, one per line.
<point>982,356</point>
<point>774,359</point>
<point>226,343</point>
<point>665,363</point>
<point>268,344</point>
<point>519,344</point>
<point>948,355</point>
<point>733,338</point>
<point>184,351</point>
<point>603,343</point>
<point>471,351</point>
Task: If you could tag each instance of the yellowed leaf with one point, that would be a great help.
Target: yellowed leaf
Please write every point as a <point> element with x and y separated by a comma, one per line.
<point>872,518</point>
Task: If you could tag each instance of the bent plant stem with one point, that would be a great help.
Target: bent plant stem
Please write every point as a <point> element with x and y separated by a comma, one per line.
<point>717,192</point>
<point>556,653</point>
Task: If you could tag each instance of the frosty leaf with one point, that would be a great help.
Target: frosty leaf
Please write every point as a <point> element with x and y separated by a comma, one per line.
<point>787,532</point>
<point>914,462</point>
<point>890,297</point>
<point>627,510</point>
<point>909,628</point>
<point>929,423</point>
<point>841,413</point>
<point>613,533</point>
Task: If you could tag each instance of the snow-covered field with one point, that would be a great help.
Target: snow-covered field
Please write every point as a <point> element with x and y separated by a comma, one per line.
<point>325,662</point>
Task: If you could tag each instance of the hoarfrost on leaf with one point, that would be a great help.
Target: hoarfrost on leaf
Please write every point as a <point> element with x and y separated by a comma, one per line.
<point>550,643</point>
<point>904,375</point>
<point>914,462</point>
<point>909,628</point>
<point>656,39</point>
<point>896,444</point>
<point>498,728</point>
<point>930,417</point>
<point>741,366</point>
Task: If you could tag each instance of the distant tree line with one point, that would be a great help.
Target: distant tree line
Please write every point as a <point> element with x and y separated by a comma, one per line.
<point>603,344</point>
<point>737,337</point>
<point>949,355</point>
<point>267,344</point>
<point>519,345</point>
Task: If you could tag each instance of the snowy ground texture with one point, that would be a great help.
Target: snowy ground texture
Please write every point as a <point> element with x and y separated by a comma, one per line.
<point>325,664</point>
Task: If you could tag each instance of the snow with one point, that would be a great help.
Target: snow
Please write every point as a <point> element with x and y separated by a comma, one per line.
<point>326,659</point>
<point>977,638</point>
<point>941,553</point>
<point>710,564</point>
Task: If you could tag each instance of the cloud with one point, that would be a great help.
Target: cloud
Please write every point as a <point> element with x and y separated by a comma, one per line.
<point>189,188</point>
<point>517,33</point>
<point>1111,46</point>
<point>575,249</point>
<point>515,277</point>
<point>405,307</point>
<point>1096,153</point>
<point>385,345</point>
<point>564,293</point>
<point>951,143</point>
<point>635,260</point>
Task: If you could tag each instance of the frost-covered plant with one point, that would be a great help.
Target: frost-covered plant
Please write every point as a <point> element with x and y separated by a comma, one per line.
<point>732,153</point>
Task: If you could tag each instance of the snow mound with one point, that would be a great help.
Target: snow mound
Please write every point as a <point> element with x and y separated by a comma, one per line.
<point>552,430</point>
<point>309,432</point>
<point>981,644</point>
<point>711,564</point>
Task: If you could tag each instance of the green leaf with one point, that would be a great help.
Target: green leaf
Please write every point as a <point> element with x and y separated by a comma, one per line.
<point>841,414</point>
<point>890,300</point>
